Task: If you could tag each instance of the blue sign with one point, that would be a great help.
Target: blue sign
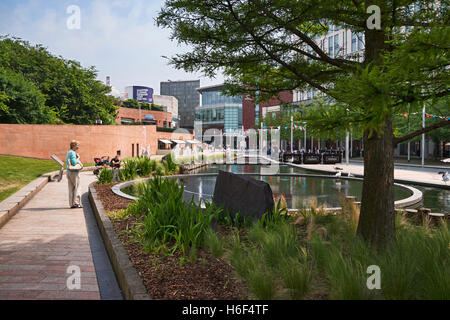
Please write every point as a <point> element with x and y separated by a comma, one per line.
<point>143,94</point>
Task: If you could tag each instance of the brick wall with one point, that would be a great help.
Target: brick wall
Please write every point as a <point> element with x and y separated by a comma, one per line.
<point>248,107</point>
<point>248,113</point>
<point>41,141</point>
<point>130,113</point>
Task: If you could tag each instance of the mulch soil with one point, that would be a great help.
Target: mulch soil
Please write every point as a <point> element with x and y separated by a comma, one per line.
<point>110,200</point>
<point>165,277</point>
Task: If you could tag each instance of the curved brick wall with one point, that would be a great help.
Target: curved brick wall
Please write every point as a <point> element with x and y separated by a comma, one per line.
<point>41,141</point>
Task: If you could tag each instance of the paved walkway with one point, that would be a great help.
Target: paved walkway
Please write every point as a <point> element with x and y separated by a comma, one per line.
<point>41,241</point>
<point>421,176</point>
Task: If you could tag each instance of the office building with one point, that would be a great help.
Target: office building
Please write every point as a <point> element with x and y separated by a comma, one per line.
<point>188,98</point>
<point>219,111</point>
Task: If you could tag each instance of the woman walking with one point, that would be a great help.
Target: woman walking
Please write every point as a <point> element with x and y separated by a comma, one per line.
<point>74,166</point>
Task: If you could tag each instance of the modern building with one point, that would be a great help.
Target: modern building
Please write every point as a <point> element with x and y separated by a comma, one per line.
<point>338,42</point>
<point>188,99</point>
<point>170,105</point>
<point>219,111</point>
<point>139,93</point>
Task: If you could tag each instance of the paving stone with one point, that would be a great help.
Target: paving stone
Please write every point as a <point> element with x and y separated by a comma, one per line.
<point>41,241</point>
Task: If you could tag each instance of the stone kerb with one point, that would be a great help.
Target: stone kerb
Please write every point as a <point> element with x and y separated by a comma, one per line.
<point>127,276</point>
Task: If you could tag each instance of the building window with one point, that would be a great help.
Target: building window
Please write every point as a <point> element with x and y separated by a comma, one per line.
<point>330,47</point>
<point>360,41</point>
<point>336,45</point>
<point>354,39</point>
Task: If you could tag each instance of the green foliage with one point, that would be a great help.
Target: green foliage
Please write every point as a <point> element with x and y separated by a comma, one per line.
<point>277,256</point>
<point>157,107</point>
<point>21,101</point>
<point>274,48</point>
<point>134,104</point>
<point>160,170</point>
<point>274,217</point>
<point>214,243</point>
<point>129,170</point>
<point>169,224</point>
<point>169,165</point>
<point>61,90</point>
<point>131,103</point>
<point>145,106</point>
<point>144,166</point>
<point>105,176</point>
<point>296,277</point>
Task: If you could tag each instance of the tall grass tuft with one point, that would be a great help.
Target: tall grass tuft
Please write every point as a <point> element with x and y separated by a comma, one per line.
<point>296,277</point>
<point>168,222</point>
<point>214,243</point>
<point>105,176</point>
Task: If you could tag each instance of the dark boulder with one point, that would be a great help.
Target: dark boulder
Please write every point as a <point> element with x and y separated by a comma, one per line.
<point>243,194</point>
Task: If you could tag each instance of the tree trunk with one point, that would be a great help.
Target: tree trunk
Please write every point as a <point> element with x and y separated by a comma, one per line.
<point>377,217</point>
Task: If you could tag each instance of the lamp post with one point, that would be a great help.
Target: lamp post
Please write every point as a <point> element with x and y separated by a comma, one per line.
<point>304,127</point>
<point>409,146</point>
<point>292,133</point>
<point>423,135</point>
<point>346,147</point>
<point>140,121</point>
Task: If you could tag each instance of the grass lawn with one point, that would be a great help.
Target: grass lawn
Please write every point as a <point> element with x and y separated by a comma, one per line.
<point>16,172</point>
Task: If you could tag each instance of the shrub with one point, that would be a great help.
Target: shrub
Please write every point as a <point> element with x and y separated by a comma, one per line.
<point>159,169</point>
<point>105,176</point>
<point>168,222</point>
<point>128,170</point>
<point>144,166</point>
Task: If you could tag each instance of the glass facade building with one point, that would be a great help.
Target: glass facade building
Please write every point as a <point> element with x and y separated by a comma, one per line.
<point>218,110</point>
<point>188,99</point>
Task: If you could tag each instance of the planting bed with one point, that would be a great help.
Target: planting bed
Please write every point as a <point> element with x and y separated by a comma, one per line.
<point>165,277</point>
<point>313,255</point>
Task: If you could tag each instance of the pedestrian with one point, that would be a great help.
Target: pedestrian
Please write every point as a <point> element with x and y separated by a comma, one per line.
<point>115,165</point>
<point>74,165</point>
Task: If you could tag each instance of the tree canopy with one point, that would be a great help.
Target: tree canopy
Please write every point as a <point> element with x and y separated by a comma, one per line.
<point>57,90</point>
<point>272,46</point>
<point>268,46</point>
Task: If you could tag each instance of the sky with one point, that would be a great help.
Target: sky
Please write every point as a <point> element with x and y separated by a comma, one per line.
<point>119,37</point>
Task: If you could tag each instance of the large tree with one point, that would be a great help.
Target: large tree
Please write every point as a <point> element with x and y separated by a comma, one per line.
<point>69,90</point>
<point>272,45</point>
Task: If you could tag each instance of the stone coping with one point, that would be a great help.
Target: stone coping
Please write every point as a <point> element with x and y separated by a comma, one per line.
<point>415,197</point>
<point>128,278</point>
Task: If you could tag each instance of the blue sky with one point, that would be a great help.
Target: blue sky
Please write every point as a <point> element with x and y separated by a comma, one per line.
<point>118,37</point>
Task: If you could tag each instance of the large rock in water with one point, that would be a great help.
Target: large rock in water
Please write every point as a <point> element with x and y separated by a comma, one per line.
<point>239,193</point>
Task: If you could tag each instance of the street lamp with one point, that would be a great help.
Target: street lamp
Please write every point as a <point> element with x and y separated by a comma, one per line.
<point>292,134</point>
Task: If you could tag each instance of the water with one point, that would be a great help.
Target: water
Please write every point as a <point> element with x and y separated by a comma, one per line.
<point>303,191</point>
<point>298,191</point>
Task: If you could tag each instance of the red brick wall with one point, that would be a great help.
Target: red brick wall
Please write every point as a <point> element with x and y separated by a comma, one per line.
<point>248,113</point>
<point>41,141</point>
<point>248,107</point>
<point>283,97</point>
<point>160,116</point>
